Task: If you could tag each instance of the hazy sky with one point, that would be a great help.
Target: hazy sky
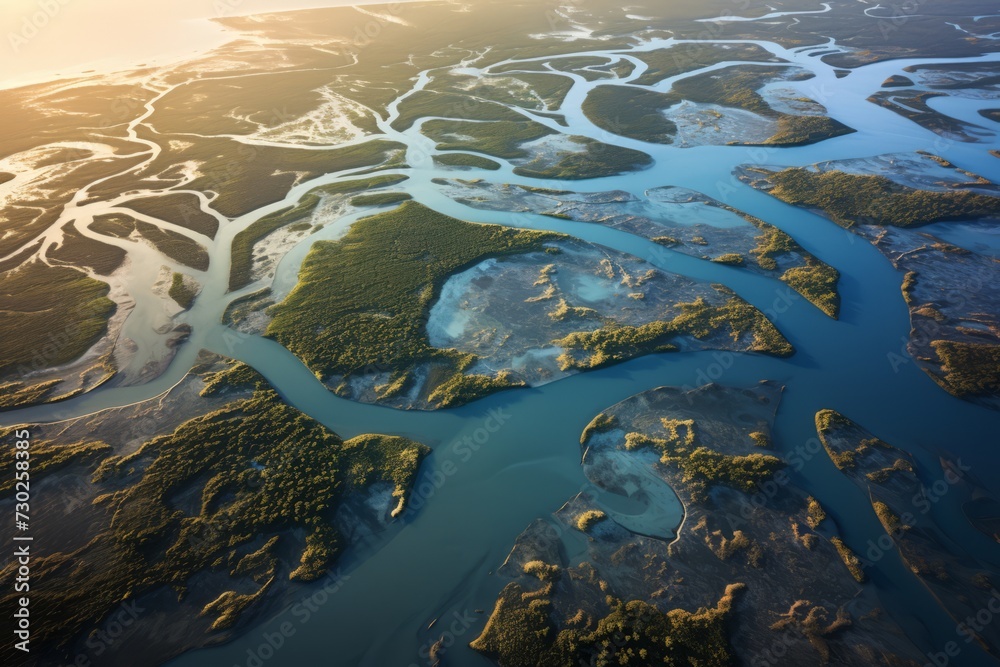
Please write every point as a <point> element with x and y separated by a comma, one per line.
<point>43,37</point>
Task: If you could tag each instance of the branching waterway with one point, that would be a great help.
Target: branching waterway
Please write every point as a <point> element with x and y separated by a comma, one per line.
<point>505,460</point>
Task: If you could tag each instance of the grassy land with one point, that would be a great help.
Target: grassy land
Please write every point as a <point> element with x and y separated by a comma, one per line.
<point>244,177</point>
<point>84,252</point>
<point>830,425</point>
<point>260,469</point>
<point>598,424</point>
<point>181,292</point>
<point>702,467</point>
<point>532,91</point>
<point>818,283</point>
<point>681,58</point>
<point>19,394</point>
<point>801,130</point>
<point>26,215</point>
<point>501,139</point>
<point>52,315</point>
<point>593,349</point>
<point>589,519</point>
<point>380,199</point>
<point>521,632</point>
<point>387,271</point>
<point>851,561</point>
<point>181,208</point>
<point>426,103</point>
<point>849,199</point>
<point>47,457</point>
<point>595,161</point>
<point>244,241</point>
<point>465,160</point>
<point>174,245</point>
<point>970,368</point>
<point>638,113</point>
<point>631,112</point>
<point>913,105</point>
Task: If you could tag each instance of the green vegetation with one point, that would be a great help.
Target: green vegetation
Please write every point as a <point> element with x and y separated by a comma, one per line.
<point>593,349</point>
<point>851,561</point>
<point>971,369</point>
<point>541,570</point>
<point>500,139</point>
<point>182,209</point>
<point>563,311</point>
<point>701,467</point>
<point>801,130</point>
<point>174,245</point>
<point>26,214</point>
<point>466,160</point>
<point>467,94</point>
<point>681,58</point>
<point>228,606</point>
<point>387,271</point>
<point>730,258</point>
<point>599,424</point>
<point>734,86</point>
<point>882,475</point>
<point>247,182</point>
<point>47,457</point>
<point>182,292</point>
<point>242,250</point>
<point>912,104</point>
<point>831,425</point>
<point>52,315</point>
<point>18,394</point>
<point>460,389</point>
<point>815,514</point>
<point>594,161</point>
<point>380,199</point>
<point>551,88</point>
<point>849,199</point>
<point>428,103</point>
<point>639,114</point>
<point>772,243</point>
<point>889,519</point>
<point>818,283</point>
<point>587,520</point>
<point>585,66</point>
<point>631,112</point>
<point>85,252</point>
<point>521,633</point>
<point>256,469</point>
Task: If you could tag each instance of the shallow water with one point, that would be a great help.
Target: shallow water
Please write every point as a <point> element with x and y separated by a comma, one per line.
<point>439,562</point>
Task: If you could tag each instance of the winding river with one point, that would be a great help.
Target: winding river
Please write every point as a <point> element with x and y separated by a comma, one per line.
<point>438,562</point>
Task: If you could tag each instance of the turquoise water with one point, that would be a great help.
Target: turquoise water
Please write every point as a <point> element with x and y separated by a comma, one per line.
<point>437,562</point>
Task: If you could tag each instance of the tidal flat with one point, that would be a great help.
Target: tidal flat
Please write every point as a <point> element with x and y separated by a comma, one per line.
<point>950,290</point>
<point>526,225</point>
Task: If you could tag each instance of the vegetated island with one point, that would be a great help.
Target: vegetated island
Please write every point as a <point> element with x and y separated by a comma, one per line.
<point>953,293</point>
<point>207,506</point>
<point>961,583</point>
<point>639,113</point>
<point>756,563</point>
<point>386,333</point>
<point>664,216</point>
